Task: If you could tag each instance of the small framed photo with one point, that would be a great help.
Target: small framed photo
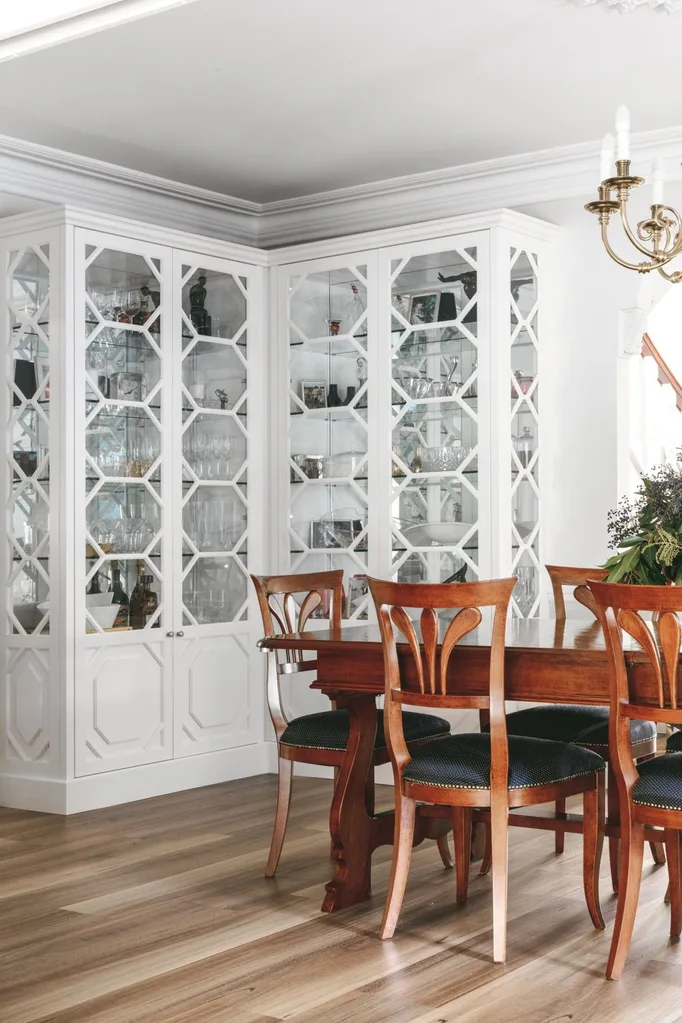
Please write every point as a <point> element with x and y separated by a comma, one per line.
<point>314,393</point>
<point>424,308</point>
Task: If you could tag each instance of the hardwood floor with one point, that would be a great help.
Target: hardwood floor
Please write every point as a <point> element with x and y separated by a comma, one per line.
<point>158,912</point>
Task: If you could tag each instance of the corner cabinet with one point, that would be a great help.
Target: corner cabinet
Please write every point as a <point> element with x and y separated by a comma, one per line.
<point>160,446</point>
<point>134,491</point>
<point>408,429</point>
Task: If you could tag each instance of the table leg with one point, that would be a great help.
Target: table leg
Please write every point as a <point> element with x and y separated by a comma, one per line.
<point>353,831</point>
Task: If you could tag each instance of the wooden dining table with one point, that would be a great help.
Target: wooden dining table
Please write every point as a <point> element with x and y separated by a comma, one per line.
<point>546,661</point>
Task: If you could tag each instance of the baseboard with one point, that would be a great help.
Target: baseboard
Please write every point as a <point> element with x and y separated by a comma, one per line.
<point>48,795</point>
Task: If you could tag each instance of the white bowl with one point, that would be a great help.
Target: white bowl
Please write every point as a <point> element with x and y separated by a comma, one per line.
<point>104,616</point>
<point>437,532</point>
<point>98,599</point>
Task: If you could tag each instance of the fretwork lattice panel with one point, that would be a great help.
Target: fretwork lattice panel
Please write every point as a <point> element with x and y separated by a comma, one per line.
<point>525,534</point>
<point>328,440</point>
<point>125,436</point>
<point>435,380</point>
<point>28,439</point>
<point>215,502</point>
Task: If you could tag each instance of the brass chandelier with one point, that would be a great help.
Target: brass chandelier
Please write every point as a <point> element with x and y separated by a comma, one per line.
<point>659,236</point>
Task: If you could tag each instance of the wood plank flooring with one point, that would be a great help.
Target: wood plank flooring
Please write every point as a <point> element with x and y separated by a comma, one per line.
<point>158,912</point>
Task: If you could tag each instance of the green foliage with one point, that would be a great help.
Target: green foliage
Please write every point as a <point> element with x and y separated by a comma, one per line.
<point>647,532</point>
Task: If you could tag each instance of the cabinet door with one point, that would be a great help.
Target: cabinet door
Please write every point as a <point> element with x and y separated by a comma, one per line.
<point>31,317</point>
<point>217,421</point>
<point>434,309</point>
<point>330,399</point>
<point>123,502</point>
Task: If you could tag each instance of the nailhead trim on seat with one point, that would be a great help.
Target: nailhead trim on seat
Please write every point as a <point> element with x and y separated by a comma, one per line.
<point>660,783</point>
<point>462,761</point>
<point>329,730</point>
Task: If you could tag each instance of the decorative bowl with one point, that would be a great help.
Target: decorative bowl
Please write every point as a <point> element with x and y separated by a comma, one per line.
<point>443,533</point>
<point>104,616</point>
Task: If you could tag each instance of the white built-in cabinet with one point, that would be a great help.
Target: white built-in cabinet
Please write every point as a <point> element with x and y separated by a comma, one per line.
<point>180,412</point>
<point>408,431</point>
<point>134,470</point>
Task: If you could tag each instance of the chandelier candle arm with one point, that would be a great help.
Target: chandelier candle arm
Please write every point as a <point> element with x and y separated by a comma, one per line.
<point>658,236</point>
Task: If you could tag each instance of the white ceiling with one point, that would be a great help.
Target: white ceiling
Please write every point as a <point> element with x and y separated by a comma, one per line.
<point>268,99</point>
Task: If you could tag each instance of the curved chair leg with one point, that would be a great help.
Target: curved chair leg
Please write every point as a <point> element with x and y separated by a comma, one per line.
<point>487,861</point>
<point>593,841</point>
<point>672,846</point>
<point>499,827</point>
<point>631,855</point>
<point>461,820</point>
<point>400,867</point>
<point>286,770</point>
<point>444,850</point>
<point>613,814</point>
<point>559,807</point>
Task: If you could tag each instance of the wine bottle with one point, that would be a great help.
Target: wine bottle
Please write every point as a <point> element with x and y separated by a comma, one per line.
<point>150,598</point>
<point>119,597</point>
<point>94,586</point>
<point>136,608</point>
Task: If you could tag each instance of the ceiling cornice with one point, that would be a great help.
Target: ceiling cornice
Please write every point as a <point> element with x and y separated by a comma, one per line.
<point>55,176</point>
<point>62,29</point>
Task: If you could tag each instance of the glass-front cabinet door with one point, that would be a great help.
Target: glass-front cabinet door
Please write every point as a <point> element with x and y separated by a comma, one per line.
<point>123,441</point>
<point>525,427</point>
<point>214,484</point>
<point>330,397</point>
<point>126,440</point>
<point>27,290</point>
<point>437,408</point>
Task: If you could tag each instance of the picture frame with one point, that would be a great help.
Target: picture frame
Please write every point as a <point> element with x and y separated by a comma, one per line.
<point>424,308</point>
<point>314,393</point>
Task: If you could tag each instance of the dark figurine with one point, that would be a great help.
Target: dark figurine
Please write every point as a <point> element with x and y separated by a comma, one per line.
<point>197,312</point>
<point>222,398</point>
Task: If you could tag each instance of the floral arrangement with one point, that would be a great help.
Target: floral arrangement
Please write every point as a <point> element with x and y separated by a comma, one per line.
<point>647,532</point>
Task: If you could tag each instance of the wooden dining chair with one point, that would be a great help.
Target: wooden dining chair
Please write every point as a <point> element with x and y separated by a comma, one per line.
<point>464,771</point>
<point>287,603</point>
<point>587,726</point>
<point>650,792</point>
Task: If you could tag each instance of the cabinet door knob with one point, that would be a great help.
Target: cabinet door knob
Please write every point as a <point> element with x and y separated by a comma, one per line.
<point>170,634</point>
<point>179,634</point>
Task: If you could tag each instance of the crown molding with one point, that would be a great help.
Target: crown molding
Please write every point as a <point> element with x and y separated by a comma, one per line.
<point>62,29</point>
<point>512,181</point>
<point>53,176</point>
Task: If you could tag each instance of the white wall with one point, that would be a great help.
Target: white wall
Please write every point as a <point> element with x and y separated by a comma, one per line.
<point>580,394</point>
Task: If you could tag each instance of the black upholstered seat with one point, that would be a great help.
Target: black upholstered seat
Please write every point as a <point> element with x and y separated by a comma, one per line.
<point>576,724</point>
<point>329,730</point>
<point>463,761</point>
<point>660,783</point>
<point>674,743</point>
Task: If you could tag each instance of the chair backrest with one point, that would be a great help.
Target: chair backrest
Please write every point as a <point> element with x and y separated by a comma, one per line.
<point>282,612</point>
<point>650,694</point>
<point>567,575</point>
<point>420,675</point>
<point>647,691</point>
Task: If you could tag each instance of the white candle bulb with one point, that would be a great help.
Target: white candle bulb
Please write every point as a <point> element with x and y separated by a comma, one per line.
<point>622,133</point>
<point>658,180</point>
<point>606,169</point>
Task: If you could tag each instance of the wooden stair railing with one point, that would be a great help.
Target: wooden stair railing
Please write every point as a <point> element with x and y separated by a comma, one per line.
<point>665,374</point>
